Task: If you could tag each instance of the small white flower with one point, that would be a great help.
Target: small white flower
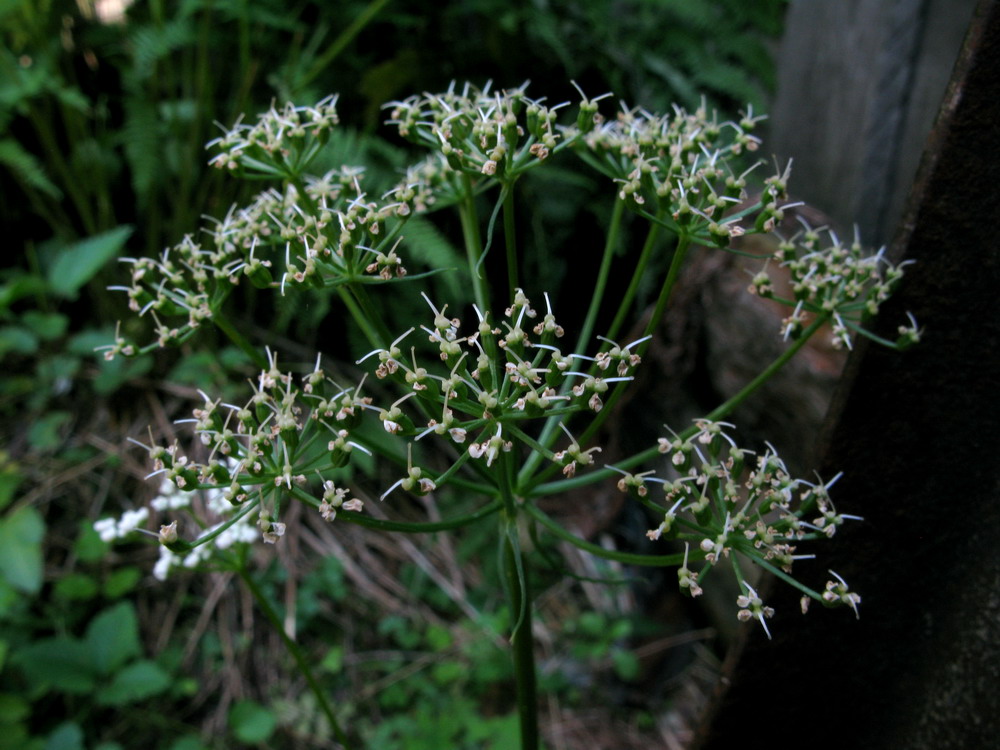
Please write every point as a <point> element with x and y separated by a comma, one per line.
<point>167,560</point>
<point>131,520</point>
<point>107,529</point>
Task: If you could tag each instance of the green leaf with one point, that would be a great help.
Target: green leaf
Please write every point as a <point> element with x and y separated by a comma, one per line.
<point>77,264</point>
<point>44,433</point>
<point>188,743</point>
<point>626,664</point>
<point>17,339</point>
<point>112,375</point>
<point>333,662</point>
<point>61,663</point>
<point>47,326</point>
<point>143,134</point>
<point>113,638</point>
<point>251,722</point>
<point>20,286</point>
<point>9,481</point>
<point>11,601</point>
<point>76,587</point>
<point>446,672</point>
<point>13,708</point>
<point>88,545</point>
<point>134,683</point>
<point>21,535</point>
<point>121,581</point>
<point>67,736</point>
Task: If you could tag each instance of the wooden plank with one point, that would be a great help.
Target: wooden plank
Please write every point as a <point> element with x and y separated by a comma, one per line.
<point>859,84</point>
<point>919,436</point>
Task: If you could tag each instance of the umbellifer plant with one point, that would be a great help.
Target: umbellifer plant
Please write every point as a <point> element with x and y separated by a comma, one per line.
<point>494,412</point>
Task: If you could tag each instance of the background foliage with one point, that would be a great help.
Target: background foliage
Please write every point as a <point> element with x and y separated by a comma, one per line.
<point>102,127</point>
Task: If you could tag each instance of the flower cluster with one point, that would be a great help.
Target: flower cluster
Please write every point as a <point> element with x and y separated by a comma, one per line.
<point>476,391</point>
<point>479,132</point>
<point>280,142</point>
<point>726,503</point>
<point>488,405</point>
<point>316,231</point>
<point>837,280</point>
<point>676,169</point>
<point>228,529</point>
<point>480,388</point>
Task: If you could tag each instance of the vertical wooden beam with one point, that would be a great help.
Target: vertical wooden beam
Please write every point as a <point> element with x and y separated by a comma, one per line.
<point>859,83</point>
<point>919,437</point>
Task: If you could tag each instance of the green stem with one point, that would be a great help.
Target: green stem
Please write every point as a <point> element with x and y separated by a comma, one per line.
<point>610,242</point>
<point>720,412</point>
<point>522,642</point>
<point>240,340</point>
<point>360,319</point>
<point>510,240</point>
<point>371,313</point>
<point>680,253</point>
<point>628,558</point>
<point>297,655</point>
<point>637,275</point>
<point>473,243</point>
<point>549,432</point>
<point>408,527</point>
<point>345,38</point>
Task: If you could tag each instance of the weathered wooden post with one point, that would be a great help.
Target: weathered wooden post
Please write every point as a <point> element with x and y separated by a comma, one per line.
<point>919,433</point>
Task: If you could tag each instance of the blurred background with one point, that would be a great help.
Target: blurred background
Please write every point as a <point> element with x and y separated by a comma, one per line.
<point>105,108</point>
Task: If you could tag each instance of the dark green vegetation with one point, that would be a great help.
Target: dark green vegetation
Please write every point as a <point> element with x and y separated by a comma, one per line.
<point>102,128</point>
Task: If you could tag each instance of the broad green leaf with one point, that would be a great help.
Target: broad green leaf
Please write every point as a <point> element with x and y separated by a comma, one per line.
<point>61,663</point>
<point>134,683</point>
<point>113,638</point>
<point>17,339</point>
<point>21,535</point>
<point>251,722</point>
<point>47,326</point>
<point>121,581</point>
<point>77,264</point>
<point>11,601</point>
<point>76,587</point>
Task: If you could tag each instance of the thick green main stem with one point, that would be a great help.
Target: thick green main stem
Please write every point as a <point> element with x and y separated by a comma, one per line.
<point>519,586</point>
<point>473,244</point>
<point>297,655</point>
<point>515,572</point>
